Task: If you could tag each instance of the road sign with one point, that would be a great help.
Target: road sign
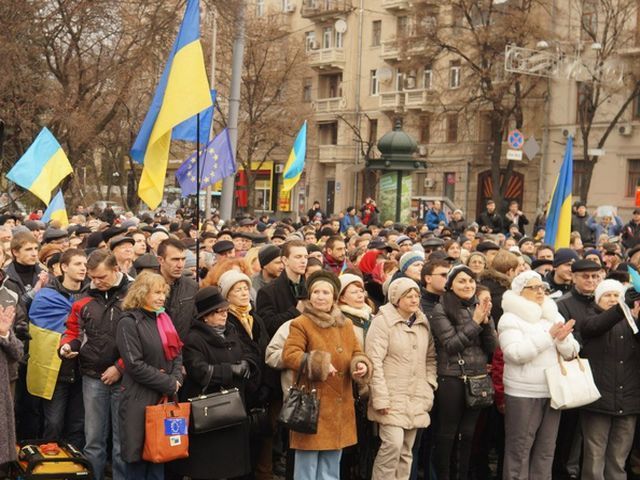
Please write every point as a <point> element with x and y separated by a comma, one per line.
<point>514,155</point>
<point>531,148</point>
<point>515,139</point>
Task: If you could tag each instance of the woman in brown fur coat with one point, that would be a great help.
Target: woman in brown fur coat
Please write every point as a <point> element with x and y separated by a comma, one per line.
<point>335,357</point>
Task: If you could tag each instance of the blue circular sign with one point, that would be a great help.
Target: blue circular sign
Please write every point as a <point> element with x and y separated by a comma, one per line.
<point>515,139</point>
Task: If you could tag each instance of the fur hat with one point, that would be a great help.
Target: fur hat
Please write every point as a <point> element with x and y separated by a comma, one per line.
<point>408,258</point>
<point>229,279</point>
<point>399,288</point>
<point>608,285</point>
<point>347,279</point>
<point>323,276</point>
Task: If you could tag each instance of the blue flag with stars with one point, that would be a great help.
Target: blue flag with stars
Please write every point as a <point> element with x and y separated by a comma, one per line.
<point>216,163</point>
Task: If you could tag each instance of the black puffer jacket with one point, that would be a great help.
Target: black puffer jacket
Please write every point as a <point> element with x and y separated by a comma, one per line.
<point>180,305</point>
<point>614,355</point>
<point>575,305</point>
<point>461,335</point>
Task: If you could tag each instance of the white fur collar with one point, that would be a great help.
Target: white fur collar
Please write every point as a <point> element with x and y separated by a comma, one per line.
<point>528,310</point>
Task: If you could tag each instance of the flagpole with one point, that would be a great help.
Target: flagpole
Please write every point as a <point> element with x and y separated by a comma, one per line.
<point>214,46</point>
<point>198,175</point>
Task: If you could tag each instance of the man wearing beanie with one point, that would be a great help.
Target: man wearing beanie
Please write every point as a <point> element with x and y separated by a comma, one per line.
<point>559,279</point>
<point>271,266</point>
<point>411,264</point>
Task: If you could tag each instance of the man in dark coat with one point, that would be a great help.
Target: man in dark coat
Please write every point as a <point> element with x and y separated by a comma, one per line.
<point>281,299</point>
<point>631,231</point>
<point>490,221</point>
<point>580,223</point>
<point>560,278</point>
<point>180,305</point>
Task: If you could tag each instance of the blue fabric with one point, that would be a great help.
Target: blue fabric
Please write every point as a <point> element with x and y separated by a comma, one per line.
<point>50,310</point>
<point>317,465</point>
<point>187,130</point>
<point>349,221</point>
<point>433,219</point>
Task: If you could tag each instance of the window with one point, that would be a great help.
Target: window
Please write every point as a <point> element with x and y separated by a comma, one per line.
<point>428,77</point>
<point>376,33</point>
<point>263,190</point>
<point>373,130</point>
<point>285,5</point>
<point>374,83</point>
<point>579,171</point>
<point>259,8</point>
<point>327,33</point>
<point>339,39</point>
<point>452,127</point>
<point>589,20</point>
<point>402,26</point>
<point>310,40</point>
<point>449,185</point>
<point>328,133</point>
<point>484,127</point>
<point>633,176</point>
<point>307,90</point>
<point>425,130</point>
<point>454,74</point>
<point>399,81</point>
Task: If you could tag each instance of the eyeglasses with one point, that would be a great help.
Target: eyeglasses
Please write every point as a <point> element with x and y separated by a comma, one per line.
<point>536,288</point>
<point>586,276</point>
<point>221,311</point>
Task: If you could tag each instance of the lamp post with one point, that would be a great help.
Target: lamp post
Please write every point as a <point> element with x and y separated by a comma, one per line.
<point>398,151</point>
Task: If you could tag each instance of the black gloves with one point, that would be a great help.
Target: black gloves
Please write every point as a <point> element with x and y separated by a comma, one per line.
<point>241,370</point>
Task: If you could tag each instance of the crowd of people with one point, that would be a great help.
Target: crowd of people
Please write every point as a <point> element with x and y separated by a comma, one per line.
<point>390,324</point>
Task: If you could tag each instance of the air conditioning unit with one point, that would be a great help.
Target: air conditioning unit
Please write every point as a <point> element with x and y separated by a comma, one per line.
<point>423,150</point>
<point>625,130</point>
<point>290,8</point>
<point>429,182</point>
<point>279,167</point>
<point>569,131</point>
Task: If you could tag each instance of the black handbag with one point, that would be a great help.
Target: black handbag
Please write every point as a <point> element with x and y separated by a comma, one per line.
<point>301,408</point>
<point>216,411</point>
<point>479,391</point>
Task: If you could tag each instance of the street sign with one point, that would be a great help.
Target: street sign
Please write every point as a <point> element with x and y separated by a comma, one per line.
<point>514,155</point>
<point>515,139</point>
<point>531,148</point>
<point>596,152</point>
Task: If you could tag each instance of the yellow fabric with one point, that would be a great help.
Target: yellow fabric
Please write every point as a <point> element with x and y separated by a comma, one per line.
<point>61,216</point>
<point>563,236</point>
<point>44,363</point>
<point>187,94</point>
<point>242,313</point>
<point>289,183</point>
<point>51,175</point>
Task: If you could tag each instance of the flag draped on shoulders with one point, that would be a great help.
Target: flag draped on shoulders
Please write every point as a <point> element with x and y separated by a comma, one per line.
<point>558,227</point>
<point>183,92</point>
<point>42,167</point>
<point>295,164</point>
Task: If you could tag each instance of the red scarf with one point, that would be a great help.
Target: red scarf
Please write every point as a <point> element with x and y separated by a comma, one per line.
<point>171,343</point>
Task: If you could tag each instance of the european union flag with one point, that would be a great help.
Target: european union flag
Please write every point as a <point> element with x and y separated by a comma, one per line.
<point>216,163</point>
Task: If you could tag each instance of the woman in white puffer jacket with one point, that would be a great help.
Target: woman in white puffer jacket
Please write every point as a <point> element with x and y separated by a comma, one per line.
<point>530,333</point>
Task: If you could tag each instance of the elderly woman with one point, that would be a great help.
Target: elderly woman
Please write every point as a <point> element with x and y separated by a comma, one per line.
<point>352,301</point>
<point>10,353</point>
<point>152,353</point>
<point>324,337</point>
<point>464,333</point>
<point>531,331</point>
<point>401,348</point>
<point>477,262</point>
<point>215,359</point>
<point>608,424</point>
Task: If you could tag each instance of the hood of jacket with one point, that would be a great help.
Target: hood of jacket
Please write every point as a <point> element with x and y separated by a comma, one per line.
<point>496,276</point>
<point>528,310</point>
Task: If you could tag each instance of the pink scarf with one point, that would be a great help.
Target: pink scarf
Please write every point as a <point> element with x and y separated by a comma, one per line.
<point>171,343</point>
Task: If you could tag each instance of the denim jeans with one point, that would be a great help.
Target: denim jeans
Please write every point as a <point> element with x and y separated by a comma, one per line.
<point>100,402</point>
<point>144,471</point>
<point>64,414</point>
<point>317,465</point>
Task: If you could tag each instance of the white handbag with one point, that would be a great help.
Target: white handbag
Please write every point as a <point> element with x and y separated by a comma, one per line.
<point>571,383</point>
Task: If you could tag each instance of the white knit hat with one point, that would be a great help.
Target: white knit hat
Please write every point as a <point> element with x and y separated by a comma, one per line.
<point>399,287</point>
<point>229,279</point>
<point>521,280</point>
<point>347,279</point>
<point>608,285</point>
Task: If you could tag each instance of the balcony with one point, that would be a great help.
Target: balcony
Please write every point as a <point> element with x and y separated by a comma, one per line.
<point>330,105</point>
<point>418,99</point>
<point>390,50</point>
<point>391,101</point>
<point>321,10</point>
<point>395,4</point>
<point>327,58</point>
<point>336,153</point>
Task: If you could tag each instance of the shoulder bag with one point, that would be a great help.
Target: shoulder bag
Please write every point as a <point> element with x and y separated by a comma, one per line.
<point>478,392</point>
<point>166,431</point>
<point>571,383</point>
<point>301,408</point>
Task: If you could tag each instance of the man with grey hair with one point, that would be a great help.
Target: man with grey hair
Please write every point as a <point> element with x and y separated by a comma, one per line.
<point>155,239</point>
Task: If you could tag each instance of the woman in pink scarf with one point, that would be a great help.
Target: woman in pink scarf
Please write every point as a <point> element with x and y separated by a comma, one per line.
<point>151,349</point>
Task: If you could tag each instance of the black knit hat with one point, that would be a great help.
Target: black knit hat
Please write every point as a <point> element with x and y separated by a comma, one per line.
<point>454,272</point>
<point>323,276</point>
<point>267,254</point>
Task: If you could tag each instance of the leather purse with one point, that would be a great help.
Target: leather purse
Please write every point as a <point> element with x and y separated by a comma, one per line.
<point>166,431</point>
<point>301,408</point>
<point>216,411</point>
<point>479,391</point>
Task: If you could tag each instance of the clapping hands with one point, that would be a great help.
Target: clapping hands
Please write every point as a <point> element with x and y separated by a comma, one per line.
<point>7,315</point>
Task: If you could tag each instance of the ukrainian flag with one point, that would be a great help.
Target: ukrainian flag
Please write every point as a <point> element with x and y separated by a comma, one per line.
<point>56,210</point>
<point>295,164</point>
<point>558,227</point>
<point>42,167</point>
<point>183,92</point>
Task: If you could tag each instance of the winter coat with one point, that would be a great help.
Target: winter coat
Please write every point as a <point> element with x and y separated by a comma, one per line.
<point>557,290</point>
<point>92,326</point>
<point>273,357</point>
<point>360,318</point>
<point>458,226</point>
<point>614,357</point>
<point>207,360</point>
<point>329,339</point>
<point>520,220</point>
<point>583,227</point>
<point>180,304</point>
<point>432,218</point>
<point>527,346</point>
<point>611,230</point>
<point>460,335</point>
<point>404,369</point>
<point>276,303</point>
<point>428,301</point>
<point>576,306</point>
<point>631,234</point>
<point>497,283</point>
<point>15,283</point>
<point>9,298</point>
<point>148,375</point>
<point>10,353</point>
<point>349,221</point>
<point>490,222</point>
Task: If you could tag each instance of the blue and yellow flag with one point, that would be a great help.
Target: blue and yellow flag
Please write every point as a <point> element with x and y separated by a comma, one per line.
<point>295,164</point>
<point>558,227</point>
<point>183,92</point>
<point>56,210</point>
<point>42,167</point>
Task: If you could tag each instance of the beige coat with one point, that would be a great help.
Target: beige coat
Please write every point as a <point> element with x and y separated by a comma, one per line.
<point>404,369</point>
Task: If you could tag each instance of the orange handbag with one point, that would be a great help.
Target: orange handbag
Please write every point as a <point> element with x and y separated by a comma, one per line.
<point>166,431</point>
